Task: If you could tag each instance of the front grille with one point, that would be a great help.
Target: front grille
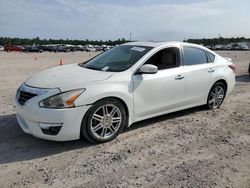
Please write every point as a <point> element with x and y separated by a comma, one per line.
<point>25,96</point>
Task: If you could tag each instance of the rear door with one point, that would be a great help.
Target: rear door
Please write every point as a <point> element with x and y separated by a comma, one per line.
<point>200,75</point>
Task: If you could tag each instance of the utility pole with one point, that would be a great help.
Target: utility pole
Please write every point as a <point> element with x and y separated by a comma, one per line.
<point>130,36</point>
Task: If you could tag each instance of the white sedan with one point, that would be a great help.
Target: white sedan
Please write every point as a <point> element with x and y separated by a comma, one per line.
<point>129,83</point>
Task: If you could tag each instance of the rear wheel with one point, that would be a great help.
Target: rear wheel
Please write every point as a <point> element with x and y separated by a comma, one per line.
<point>216,95</point>
<point>104,121</point>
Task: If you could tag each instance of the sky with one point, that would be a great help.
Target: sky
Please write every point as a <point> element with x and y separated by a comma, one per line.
<point>154,20</point>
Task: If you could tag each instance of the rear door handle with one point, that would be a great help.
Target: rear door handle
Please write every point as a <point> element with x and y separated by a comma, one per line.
<point>179,77</point>
<point>211,70</point>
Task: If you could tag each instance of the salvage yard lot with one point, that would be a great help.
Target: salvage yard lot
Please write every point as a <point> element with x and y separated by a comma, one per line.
<point>191,148</point>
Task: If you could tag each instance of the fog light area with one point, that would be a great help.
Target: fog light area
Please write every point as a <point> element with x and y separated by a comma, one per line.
<point>50,128</point>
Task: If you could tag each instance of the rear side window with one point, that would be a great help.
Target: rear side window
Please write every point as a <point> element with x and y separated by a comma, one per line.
<point>194,56</point>
<point>211,57</point>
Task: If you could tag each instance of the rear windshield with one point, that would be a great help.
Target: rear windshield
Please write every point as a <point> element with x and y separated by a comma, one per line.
<point>117,59</point>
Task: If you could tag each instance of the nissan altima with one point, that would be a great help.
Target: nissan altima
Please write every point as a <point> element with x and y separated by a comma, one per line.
<point>129,83</point>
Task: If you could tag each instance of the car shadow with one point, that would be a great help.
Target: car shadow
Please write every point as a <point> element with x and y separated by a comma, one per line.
<point>15,145</point>
<point>243,78</point>
<point>165,117</point>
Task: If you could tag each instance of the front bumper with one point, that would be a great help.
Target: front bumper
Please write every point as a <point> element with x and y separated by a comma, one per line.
<point>30,115</point>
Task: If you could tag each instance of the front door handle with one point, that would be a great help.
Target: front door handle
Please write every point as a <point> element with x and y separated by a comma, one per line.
<point>179,77</point>
<point>211,70</point>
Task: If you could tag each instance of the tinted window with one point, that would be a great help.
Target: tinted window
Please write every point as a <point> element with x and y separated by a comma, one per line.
<point>166,58</point>
<point>211,57</point>
<point>194,56</point>
<point>117,59</point>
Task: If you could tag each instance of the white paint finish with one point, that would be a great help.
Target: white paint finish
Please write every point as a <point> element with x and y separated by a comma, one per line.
<point>30,115</point>
<point>199,80</point>
<point>64,76</point>
<point>145,95</point>
<point>154,93</point>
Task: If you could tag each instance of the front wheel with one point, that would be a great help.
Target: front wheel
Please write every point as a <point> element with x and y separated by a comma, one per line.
<point>104,121</point>
<point>216,95</point>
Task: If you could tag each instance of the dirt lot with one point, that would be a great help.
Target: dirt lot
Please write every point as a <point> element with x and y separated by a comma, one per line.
<point>191,148</point>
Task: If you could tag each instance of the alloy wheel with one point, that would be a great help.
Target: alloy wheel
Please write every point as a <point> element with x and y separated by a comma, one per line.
<point>216,97</point>
<point>105,121</point>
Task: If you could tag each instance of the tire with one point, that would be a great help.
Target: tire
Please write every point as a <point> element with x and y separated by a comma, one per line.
<point>104,121</point>
<point>216,95</point>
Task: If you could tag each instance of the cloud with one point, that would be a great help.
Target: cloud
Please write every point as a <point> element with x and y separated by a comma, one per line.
<point>83,19</point>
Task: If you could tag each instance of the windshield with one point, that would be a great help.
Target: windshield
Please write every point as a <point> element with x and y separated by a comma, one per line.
<point>117,59</point>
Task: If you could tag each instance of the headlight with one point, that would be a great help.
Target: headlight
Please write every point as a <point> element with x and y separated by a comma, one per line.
<point>62,100</point>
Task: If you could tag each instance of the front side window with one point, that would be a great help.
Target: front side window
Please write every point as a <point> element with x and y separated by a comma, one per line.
<point>194,56</point>
<point>117,59</point>
<point>166,58</point>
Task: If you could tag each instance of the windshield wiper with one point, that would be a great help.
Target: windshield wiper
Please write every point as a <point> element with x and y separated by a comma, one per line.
<point>92,68</point>
<point>84,66</point>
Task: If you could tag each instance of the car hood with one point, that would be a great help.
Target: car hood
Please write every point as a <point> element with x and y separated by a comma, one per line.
<point>66,76</point>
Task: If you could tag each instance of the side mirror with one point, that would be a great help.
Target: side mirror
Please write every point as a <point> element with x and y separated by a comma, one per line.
<point>148,69</point>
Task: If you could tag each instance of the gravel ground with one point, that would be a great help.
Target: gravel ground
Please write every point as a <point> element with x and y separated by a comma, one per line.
<point>190,148</point>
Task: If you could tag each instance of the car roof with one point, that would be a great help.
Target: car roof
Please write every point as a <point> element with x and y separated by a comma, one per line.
<point>149,44</point>
<point>172,43</point>
<point>156,44</point>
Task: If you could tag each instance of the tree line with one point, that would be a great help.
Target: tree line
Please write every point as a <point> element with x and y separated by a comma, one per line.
<point>38,41</point>
<point>220,40</point>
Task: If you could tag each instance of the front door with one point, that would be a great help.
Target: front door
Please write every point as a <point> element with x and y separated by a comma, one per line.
<point>157,93</point>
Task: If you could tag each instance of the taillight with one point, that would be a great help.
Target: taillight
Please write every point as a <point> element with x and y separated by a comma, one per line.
<point>233,67</point>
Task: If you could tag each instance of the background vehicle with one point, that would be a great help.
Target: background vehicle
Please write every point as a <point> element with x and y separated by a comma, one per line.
<point>228,47</point>
<point>218,47</point>
<point>126,84</point>
<point>10,48</point>
<point>32,49</point>
<point>91,49</point>
<point>47,48</point>
<point>235,46</point>
<point>60,49</point>
<point>76,48</point>
<point>1,48</point>
<point>244,47</point>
